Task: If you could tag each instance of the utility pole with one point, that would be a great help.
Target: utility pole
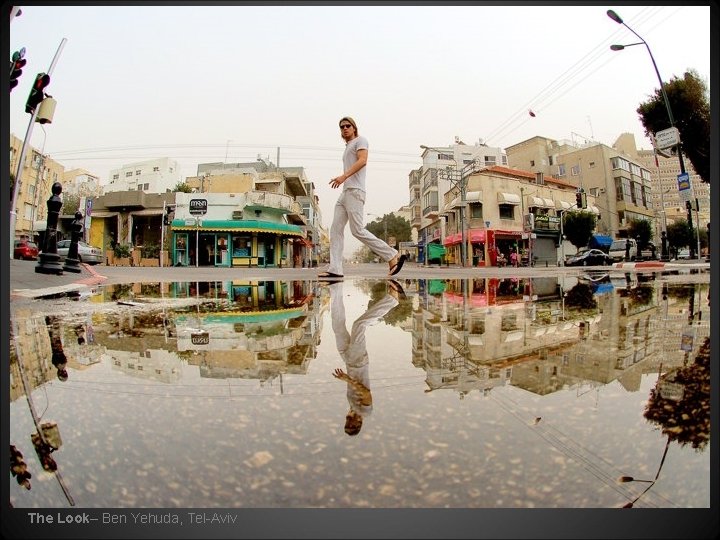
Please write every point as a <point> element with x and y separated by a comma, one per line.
<point>21,160</point>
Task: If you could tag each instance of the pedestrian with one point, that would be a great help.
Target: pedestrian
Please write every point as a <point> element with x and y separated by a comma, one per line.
<point>350,206</point>
<point>513,258</point>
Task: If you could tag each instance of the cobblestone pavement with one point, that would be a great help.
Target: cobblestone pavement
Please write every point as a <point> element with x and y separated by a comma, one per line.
<point>26,283</point>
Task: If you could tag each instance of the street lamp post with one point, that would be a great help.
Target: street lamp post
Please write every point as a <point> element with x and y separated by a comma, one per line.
<point>615,17</point>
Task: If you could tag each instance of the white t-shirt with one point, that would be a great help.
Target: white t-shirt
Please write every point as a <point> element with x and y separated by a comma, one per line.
<point>357,180</point>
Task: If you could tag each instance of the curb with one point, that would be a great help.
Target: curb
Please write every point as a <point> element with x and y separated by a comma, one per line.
<point>642,264</point>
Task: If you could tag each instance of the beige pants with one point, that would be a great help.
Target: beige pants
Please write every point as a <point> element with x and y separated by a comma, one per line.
<point>350,208</point>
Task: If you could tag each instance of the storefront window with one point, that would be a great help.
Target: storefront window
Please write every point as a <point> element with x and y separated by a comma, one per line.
<point>242,246</point>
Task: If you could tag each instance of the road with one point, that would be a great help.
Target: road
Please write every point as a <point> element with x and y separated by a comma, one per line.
<point>25,283</point>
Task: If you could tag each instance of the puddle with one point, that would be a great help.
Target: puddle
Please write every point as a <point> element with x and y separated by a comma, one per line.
<point>484,393</point>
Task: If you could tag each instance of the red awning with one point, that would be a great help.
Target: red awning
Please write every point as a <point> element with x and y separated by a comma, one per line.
<point>474,300</point>
<point>452,239</point>
<point>477,235</point>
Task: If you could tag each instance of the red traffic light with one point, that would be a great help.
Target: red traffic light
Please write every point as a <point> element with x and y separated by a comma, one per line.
<point>36,92</point>
<point>15,71</point>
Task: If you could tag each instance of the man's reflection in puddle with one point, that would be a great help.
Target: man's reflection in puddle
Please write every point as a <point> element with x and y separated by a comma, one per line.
<point>353,350</point>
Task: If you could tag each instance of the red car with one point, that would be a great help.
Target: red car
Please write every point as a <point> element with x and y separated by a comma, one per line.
<point>25,249</point>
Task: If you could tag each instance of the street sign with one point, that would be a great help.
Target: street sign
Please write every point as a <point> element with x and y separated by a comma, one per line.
<point>684,186</point>
<point>198,207</point>
<point>667,138</point>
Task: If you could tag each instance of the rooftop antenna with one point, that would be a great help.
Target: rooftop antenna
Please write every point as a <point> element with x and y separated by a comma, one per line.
<point>592,135</point>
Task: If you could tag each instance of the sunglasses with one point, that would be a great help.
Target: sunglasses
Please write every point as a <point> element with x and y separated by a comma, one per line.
<point>345,126</point>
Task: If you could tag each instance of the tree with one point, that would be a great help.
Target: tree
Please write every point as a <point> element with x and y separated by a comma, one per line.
<point>689,101</point>
<point>182,187</point>
<point>397,226</point>
<point>578,227</point>
<point>71,204</point>
<point>641,230</point>
<point>679,234</point>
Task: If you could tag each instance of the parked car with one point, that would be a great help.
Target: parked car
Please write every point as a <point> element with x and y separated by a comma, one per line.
<point>683,253</point>
<point>589,257</point>
<point>649,253</point>
<point>86,253</point>
<point>24,249</point>
<point>617,249</point>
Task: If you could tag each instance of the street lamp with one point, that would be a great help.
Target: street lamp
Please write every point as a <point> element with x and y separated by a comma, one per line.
<point>615,17</point>
<point>451,174</point>
<point>625,479</point>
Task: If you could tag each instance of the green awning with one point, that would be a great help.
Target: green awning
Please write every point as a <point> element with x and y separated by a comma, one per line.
<point>238,225</point>
<point>249,317</point>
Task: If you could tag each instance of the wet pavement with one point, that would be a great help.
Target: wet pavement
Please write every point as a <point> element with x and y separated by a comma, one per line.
<point>472,388</point>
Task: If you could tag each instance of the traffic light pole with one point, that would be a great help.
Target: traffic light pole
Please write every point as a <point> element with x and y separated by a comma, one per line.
<point>21,160</point>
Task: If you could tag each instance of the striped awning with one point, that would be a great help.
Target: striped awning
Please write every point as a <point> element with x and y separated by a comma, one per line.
<point>535,201</point>
<point>508,198</point>
<point>562,205</point>
<point>240,225</point>
<point>473,196</point>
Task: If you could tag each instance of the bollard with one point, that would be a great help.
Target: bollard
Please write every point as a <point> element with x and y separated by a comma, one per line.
<point>72,261</point>
<point>48,259</point>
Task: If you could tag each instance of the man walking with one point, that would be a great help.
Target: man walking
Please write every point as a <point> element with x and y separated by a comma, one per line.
<point>350,206</point>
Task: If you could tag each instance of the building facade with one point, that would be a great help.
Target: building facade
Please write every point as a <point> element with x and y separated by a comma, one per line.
<point>442,167</point>
<point>152,176</point>
<point>39,172</point>
<point>621,185</point>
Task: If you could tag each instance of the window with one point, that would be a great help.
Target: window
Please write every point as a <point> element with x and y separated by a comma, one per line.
<point>591,164</point>
<point>552,161</point>
<point>490,161</point>
<point>116,176</point>
<point>504,160</point>
<point>156,169</point>
<point>137,173</point>
<point>575,170</point>
<point>128,174</point>
<point>506,211</point>
<point>147,186</point>
<point>532,162</point>
<point>476,210</point>
<point>449,157</point>
<point>561,170</point>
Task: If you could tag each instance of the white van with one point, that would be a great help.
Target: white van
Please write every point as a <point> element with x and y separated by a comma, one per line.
<point>617,249</point>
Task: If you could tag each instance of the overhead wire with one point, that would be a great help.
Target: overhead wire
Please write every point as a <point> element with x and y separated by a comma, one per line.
<point>549,95</point>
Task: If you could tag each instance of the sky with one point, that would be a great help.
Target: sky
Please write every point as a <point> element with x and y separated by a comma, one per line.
<point>231,83</point>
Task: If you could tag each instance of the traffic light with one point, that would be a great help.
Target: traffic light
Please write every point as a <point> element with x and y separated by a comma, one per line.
<point>16,65</point>
<point>166,218</point>
<point>581,199</point>
<point>37,92</point>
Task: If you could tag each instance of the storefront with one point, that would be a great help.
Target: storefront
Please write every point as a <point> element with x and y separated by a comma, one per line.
<point>230,243</point>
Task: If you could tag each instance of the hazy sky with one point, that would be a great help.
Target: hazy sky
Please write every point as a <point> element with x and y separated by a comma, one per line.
<point>210,83</point>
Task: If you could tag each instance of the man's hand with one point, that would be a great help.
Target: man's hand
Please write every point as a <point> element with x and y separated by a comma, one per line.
<point>337,182</point>
<point>340,374</point>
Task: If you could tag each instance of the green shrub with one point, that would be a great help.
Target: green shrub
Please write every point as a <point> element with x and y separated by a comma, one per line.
<point>122,251</point>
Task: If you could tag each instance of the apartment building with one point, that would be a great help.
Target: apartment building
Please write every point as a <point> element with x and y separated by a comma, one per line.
<point>666,195</point>
<point>442,168</point>
<point>159,175</point>
<point>39,172</point>
<point>621,185</point>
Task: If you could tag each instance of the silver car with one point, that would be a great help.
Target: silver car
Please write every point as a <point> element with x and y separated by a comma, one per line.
<point>86,253</point>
